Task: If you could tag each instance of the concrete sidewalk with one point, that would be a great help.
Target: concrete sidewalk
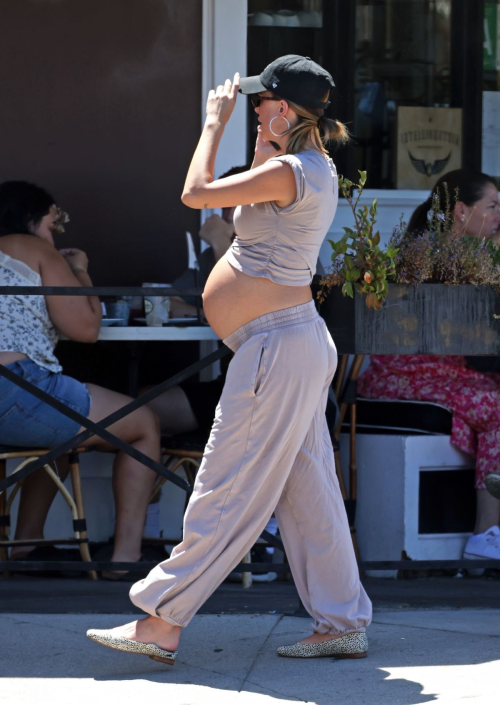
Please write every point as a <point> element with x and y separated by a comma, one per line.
<point>444,656</point>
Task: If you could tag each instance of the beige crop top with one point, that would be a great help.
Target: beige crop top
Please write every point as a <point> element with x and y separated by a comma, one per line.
<point>282,244</point>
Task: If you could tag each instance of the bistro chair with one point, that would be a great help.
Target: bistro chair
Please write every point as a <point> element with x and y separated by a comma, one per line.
<point>186,452</point>
<point>183,452</point>
<point>344,387</point>
<point>74,501</point>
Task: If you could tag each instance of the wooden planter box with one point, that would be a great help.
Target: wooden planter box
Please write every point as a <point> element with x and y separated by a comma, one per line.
<point>432,319</point>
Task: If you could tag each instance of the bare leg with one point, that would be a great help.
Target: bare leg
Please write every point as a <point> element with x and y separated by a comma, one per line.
<point>132,481</point>
<point>37,494</point>
<point>488,511</point>
<point>174,411</point>
<point>151,630</point>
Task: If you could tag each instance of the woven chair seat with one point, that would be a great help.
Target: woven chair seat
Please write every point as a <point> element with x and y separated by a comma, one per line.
<point>185,441</point>
<point>22,451</point>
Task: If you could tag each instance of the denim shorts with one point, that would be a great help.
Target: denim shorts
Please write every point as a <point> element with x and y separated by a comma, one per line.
<point>27,422</point>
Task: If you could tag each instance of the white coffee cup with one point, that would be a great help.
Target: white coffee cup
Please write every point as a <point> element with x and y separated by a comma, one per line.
<point>286,18</point>
<point>260,19</point>
<point>157,308</point>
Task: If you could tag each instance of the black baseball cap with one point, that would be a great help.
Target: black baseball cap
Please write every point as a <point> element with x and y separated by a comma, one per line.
<point>292,77</point>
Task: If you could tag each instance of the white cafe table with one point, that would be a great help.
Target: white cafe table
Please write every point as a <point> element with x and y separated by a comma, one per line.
<point>166,333</point>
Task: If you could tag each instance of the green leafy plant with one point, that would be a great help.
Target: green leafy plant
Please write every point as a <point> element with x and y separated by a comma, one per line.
<point>358,263</point>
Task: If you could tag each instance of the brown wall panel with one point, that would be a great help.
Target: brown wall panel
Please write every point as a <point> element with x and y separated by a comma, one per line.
<point>100,104</point>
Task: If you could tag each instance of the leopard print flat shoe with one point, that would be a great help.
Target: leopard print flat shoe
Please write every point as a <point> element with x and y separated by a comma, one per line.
<point>106,638</point>
<point>353,645</point>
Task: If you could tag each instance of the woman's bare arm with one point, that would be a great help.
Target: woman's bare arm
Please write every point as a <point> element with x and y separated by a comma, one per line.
<point>272,181</point>
<point>77,317</point>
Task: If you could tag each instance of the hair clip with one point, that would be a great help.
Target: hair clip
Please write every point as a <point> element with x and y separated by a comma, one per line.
<point>60,221</point>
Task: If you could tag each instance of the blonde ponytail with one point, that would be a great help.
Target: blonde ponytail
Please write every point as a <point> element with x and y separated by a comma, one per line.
<point>333,131</point>
<point>313,127</point>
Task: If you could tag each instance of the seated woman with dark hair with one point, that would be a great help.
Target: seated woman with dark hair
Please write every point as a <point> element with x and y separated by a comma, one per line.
<point>29,328</point>
<point>473,397</point>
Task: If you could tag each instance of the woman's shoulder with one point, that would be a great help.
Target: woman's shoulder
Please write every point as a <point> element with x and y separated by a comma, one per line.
<point>313,155</point>
<point>313,160</point>
<point>315,167</point>
<point>29,249</point>
<point>21,242</point>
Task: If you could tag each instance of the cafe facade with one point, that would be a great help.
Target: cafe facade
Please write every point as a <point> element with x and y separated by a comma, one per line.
<point>104,102</point>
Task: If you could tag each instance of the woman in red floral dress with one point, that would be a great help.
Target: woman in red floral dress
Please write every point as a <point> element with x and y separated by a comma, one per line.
<point>473,397</point>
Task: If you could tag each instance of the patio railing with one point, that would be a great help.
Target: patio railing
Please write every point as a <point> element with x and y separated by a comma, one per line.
<point>99,429</point>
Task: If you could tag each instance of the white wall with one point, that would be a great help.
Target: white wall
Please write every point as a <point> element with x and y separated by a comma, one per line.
<point>224,52</point>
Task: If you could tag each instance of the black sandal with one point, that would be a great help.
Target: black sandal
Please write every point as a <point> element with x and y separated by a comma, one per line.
<point>129,575</point>
<point>49,553</point>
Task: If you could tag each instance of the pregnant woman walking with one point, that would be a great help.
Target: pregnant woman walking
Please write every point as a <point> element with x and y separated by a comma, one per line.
<point>269,449</point>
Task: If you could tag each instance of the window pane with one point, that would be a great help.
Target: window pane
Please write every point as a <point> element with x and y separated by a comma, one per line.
<point>402,59</point>
<point>275,29</point>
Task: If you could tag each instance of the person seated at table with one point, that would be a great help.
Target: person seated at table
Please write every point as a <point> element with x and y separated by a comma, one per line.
<point>29,328</point>
<point>191,405</point>
<point>472,396</point>
<point>218,233</point>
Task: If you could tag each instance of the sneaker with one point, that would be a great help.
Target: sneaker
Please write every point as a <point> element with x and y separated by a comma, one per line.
<point>258,555</point>
<point>481,546</point>
<point>492,482</point>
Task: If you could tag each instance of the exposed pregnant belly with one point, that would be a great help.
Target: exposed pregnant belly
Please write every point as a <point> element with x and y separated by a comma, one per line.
<point>232,298</point>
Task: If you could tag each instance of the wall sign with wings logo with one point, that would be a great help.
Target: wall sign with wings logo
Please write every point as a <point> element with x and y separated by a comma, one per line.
<point>428,168</point>
<point>429,143</point>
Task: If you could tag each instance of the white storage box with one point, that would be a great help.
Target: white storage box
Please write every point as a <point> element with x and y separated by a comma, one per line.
<point>394,474</point>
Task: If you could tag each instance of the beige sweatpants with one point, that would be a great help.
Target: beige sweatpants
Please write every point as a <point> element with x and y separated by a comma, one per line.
<point>269,450</point>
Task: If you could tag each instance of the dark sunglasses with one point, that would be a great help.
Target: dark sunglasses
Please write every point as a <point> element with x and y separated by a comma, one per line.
<point>257,99</point>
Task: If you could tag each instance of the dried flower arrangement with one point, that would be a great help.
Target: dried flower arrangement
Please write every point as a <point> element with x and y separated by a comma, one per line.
<point>440,254</point>
<point>443,253</point>
<point>358,263</point>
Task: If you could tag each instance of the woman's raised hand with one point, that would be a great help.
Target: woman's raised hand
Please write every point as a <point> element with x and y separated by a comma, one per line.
<point>221,102</point>
<point>264,150</point>
<point>75,258</point>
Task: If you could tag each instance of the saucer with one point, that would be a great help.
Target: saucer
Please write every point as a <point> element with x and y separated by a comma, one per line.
<point>185,319</point>
<point>110,322</point>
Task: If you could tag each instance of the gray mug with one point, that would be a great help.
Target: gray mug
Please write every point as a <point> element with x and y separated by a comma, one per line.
<point>118,309</point>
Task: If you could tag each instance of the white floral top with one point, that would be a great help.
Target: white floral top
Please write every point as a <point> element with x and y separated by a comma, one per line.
<point>25,326</point>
